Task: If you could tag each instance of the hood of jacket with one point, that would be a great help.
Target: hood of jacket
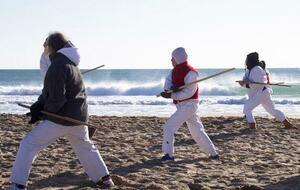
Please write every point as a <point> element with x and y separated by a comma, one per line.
<point>71,53</point>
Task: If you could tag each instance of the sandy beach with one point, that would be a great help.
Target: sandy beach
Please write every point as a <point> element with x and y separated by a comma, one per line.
<point>268,158</point>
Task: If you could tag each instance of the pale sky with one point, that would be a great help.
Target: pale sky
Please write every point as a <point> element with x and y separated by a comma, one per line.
<point>141,34</point>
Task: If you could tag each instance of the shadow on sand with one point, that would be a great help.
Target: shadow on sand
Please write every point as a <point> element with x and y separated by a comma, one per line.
<point>149,164</point>
<point>215,137</point>
<point>68,178</point>
<point>292,183</point>
<point>232,135</point>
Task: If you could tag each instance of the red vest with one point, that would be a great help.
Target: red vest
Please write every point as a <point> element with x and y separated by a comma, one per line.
<point>178,74</point>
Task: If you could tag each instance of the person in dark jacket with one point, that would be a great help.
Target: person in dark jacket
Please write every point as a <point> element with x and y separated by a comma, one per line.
<point>63,94</point>
<point>70,51</point>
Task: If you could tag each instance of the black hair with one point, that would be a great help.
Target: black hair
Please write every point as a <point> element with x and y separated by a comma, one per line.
<point>252,60</point>
<point>263,64</point>
<point>56,41</point>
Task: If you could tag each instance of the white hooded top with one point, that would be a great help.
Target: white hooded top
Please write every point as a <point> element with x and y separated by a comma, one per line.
<point>70,52</point>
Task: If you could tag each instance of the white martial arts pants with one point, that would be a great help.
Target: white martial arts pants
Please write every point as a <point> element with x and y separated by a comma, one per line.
<point>47,132</point>
<point>264,98</point>
<point>186,112</point>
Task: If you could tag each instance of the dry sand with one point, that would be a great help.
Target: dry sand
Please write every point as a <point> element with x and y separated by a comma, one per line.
<point>131,147</point>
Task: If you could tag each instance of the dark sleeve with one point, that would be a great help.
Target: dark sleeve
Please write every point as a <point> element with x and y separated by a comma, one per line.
<point>41,98</point>
<point>56,82</point>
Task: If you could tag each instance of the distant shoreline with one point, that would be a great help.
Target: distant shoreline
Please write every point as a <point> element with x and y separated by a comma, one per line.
<point>208,116</point>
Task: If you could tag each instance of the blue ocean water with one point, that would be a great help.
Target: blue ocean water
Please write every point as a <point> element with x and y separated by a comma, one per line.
<point>132,92</point>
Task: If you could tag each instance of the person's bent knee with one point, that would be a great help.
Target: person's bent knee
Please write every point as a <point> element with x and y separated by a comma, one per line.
<point>86,144</point>
<point>168,129</point>
<point>247,109</point>
<point>27,145</point>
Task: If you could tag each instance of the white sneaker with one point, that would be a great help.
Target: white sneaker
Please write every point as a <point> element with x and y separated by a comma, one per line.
<point>108,183</point>
<point>16,187</point>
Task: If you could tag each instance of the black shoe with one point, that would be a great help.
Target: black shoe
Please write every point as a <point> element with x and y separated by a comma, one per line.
<point>167,157</point>
<point>214,157</point>
<point>17,187</point>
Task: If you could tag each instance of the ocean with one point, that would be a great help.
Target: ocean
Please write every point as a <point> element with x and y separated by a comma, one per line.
<point>127,92</point>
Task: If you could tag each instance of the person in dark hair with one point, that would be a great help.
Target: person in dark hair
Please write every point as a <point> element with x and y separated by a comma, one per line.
<point>252,60</point>
<point>259,94</point>
<point>63,94</point>
<point>45,64</point>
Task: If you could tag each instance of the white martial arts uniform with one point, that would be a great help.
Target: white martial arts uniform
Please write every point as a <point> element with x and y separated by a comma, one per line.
<point>259,94</point>
<point>47,132</point>
<point>186,112</point>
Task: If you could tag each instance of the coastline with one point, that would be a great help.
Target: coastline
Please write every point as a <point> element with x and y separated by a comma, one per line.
<point>131,147</point>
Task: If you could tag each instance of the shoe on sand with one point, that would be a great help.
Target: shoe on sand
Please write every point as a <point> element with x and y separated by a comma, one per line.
<point>288,125</point>
<point>106,182</point>
<point>214,157</point>
<point>167,157</point>
<point>252,125</point>
<point>17,187</point>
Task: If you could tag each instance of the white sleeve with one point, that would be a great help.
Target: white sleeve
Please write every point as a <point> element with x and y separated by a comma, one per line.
<point>44,64</point>
<point>257,74</point>
<point>189,91</point>
<point>168,82</point>
<point>246,76</point>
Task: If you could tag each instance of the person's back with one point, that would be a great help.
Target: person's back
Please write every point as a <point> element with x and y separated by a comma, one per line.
<point>64,82</point>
